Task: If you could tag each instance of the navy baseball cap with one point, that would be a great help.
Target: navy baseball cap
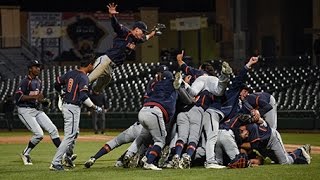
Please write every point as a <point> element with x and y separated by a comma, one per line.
<point>162,68</point>
<point>34,63</point>
<point>141,25</point>
<point>167,75</point>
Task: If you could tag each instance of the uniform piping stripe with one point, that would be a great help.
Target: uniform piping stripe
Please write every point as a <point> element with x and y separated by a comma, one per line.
<point>257,102</point>
<point>200,129</point>
<point>97,64</point>
<point>72,120</point>
<point>154,153</point>
<point>158,123</point>
<point>234,122</point>
<point>25,121</point>
<point>202,100</point>
<point>180,144</point>
<point>164,111</point>
<point>257,139</point>
<point>186,69</point>
<point>295,156</point>
<point>211,121</point>
<point>107,147</point>
<point>75,93</point>
<point>191,147</point>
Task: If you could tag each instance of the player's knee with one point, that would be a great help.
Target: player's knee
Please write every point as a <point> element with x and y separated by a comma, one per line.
<point>54,133</point>
<point>160,144</point>
<point>38,136</point>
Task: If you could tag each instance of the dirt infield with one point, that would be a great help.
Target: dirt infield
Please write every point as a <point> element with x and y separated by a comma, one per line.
<point>91,138</point>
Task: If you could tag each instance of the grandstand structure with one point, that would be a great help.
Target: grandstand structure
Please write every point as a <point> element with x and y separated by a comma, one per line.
<point>295,88</point>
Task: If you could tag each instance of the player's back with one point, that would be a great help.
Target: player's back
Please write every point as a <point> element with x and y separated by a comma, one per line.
<point>73,80</point>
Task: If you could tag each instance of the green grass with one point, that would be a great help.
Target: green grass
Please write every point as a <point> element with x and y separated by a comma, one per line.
<point>12,167</point>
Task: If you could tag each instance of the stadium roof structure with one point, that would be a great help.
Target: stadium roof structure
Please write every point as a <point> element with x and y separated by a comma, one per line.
<point>100,5</point>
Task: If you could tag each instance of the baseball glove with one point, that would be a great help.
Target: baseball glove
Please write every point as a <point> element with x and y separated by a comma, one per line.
<point>46,103</point>
<point>246,118</point>
<point>240,161</point>
<point>159,28</point>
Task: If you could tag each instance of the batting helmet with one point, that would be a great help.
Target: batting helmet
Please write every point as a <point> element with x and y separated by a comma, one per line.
<point>141,25</point>
<point>34,63</point>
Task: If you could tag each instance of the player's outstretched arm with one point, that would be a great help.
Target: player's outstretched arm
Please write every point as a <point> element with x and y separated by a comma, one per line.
<point>112,9</point>
<point>179,58</point>
<point>252,61</point>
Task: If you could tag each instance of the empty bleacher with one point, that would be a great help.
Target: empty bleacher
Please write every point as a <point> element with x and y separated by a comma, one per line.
<point>296,89</point>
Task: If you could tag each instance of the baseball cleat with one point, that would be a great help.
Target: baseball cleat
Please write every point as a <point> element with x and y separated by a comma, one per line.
<point>135,161</point>
<point>214,166</point>
<point>168,165</point>
<point>307,147</point>
<point>164,156</point>
<point>226,69</point>
<point>176,162</point>
<point>177,80</point>
<point>90,162</point>
<point>126,161</point>
<point>151,167</point>
<point>186,161</point>
<point>306,152</point>
<point>67,161</point>
<point>57,167</point>
<point>74,157</point>
<point>26,159</point>
<point>118,164</point>
<point>143,160</point>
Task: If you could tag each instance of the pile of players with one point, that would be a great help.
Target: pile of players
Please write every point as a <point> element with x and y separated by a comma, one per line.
<point>204,124</point>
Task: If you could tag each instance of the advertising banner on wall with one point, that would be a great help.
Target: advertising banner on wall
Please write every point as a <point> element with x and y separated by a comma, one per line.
<point>74,34</point>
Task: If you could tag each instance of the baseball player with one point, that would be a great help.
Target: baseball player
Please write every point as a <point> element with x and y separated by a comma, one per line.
<point>170,127</point>
<point>268,115</point>
<point>158,110</point>
<point>269,144</point>
<point>182,114</point>
<point>237,92</point>
<point>98,119</point>
<point>76,88</point>
<point>189,124</point>
<point>123,44</point>
<point>127,136</point>
<point>28,96</point>
<point>230,137</point>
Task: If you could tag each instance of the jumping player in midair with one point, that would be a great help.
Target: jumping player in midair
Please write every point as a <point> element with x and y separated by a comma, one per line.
<point>123,44</point>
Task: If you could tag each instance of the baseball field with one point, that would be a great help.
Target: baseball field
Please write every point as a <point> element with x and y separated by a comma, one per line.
<point>11,166</point>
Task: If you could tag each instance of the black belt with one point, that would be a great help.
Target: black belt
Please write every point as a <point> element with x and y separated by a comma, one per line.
<point>72,103</point>
<point>27,106</point>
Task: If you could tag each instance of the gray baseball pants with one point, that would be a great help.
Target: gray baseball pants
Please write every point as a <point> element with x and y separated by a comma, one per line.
<point>102,72</point>
<point>226,143</point>
<point>34,119</point>
<point>71,115</point>
<point>211,119</point>
<point>271,116</point>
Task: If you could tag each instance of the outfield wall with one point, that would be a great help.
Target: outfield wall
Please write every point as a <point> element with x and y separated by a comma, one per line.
<point>304,120</point>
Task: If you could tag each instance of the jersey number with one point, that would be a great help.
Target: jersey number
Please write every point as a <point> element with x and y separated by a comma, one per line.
<point>70,84</point>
